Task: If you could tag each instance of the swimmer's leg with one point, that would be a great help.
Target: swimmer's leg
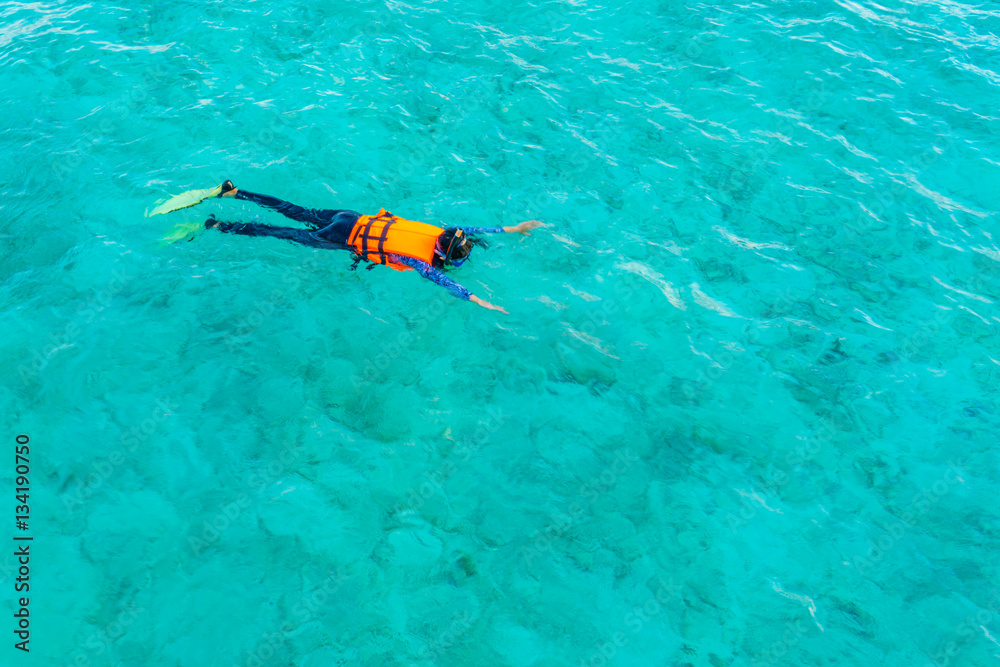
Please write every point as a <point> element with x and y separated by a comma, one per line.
<point>254,229</point>
<point>315,217</point>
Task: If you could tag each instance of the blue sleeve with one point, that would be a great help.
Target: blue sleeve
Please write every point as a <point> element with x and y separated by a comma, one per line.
<point>432,274</point>
<point>482,230</point>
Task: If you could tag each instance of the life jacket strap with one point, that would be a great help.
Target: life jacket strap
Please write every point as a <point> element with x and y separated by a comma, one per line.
<point>381,241</point>
<point>365,237</point>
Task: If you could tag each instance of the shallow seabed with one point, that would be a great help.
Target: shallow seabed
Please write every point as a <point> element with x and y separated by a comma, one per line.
<point>742,411</point>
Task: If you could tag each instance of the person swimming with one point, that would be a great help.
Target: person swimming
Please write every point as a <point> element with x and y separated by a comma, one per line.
<point>382,238</point>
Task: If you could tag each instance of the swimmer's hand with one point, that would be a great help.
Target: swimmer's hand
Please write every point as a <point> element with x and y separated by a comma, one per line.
<point>523,227</point>
<point>486,304</point>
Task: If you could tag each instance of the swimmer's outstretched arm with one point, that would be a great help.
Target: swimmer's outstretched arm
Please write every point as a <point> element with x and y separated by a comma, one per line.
<point>523,227</point>
<point>486,304</point>
<point>438,277</point>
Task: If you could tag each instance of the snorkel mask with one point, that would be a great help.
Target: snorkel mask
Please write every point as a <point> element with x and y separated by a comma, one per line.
<point>457,241</point>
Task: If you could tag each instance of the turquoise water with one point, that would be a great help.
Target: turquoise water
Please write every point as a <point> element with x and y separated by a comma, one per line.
<point>742,411</point>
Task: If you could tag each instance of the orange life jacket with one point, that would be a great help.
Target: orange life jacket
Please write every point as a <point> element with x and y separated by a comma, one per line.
<point>373,237</point>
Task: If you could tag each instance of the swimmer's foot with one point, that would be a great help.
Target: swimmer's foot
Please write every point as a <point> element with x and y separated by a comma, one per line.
<point>211,223</point>
<point>228,189</point>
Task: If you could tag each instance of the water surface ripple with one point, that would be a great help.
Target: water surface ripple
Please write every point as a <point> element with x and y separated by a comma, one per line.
<point>742,411</point>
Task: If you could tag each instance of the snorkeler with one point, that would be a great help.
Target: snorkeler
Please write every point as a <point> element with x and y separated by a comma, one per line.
<point>379,239</point>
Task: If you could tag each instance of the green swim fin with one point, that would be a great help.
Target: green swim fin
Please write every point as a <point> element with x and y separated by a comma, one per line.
<point>183,231</point>
<point>184,200</point>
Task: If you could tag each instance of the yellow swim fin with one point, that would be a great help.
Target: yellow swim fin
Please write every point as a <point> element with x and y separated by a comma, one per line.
<point>184,200</point>
<point>183,231</point>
